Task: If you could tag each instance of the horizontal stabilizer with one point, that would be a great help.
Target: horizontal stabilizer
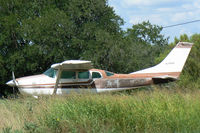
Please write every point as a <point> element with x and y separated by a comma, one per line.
<point>163,79</point>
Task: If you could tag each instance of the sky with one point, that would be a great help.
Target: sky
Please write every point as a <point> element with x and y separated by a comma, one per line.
<point>162,13</point>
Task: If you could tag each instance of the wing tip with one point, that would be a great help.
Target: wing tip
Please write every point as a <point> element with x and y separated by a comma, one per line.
<point>184,45</point>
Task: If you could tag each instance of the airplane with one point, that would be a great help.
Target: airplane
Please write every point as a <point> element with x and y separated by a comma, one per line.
<point>79,76</point>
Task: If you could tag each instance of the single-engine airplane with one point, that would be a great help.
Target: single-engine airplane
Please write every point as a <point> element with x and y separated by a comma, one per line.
<point>78,75</point>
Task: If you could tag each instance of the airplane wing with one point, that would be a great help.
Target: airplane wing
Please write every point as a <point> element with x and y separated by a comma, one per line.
<point>71,65</point>
<point>164,79</point>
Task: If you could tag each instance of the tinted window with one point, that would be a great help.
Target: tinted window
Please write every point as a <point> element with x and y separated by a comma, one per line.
<point>50,72</point>
<point>68,75</point>
<point>83,75</point>
<point>109,73</point>
<point>96,75</point>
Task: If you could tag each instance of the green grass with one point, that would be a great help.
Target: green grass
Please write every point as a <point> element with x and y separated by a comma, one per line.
<point>141,111</point>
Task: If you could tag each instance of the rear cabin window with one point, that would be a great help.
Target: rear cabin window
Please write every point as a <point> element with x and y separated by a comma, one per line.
<point>83,75</point>
<point>109,73</point>
<point>68,75</point>
<point>96,75</point>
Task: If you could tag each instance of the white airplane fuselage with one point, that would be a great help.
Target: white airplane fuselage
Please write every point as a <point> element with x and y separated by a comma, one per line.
<point>44,85</point>
<point>68,76</point>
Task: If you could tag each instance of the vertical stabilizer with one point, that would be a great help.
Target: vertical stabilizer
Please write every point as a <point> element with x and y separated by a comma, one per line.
<point>174,62</point>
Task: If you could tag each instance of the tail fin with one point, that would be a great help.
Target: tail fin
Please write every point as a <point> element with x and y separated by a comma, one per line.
<point>174,61</point>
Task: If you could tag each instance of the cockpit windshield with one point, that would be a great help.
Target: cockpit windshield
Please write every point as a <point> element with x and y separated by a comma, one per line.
<point>50,72</point>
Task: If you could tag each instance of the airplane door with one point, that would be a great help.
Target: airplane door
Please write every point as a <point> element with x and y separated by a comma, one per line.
<point>68,77</point>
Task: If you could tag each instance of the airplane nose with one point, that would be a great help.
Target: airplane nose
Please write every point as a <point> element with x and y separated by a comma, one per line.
<point>10,83</point>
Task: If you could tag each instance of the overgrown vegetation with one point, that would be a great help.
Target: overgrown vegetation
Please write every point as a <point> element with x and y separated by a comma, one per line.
<point>142,111</point>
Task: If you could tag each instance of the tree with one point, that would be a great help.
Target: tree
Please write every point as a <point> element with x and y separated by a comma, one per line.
<point>190,77</point>
<point>144,43</point>
<point>128,51</point>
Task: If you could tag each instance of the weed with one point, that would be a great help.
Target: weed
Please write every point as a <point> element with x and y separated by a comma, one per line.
<point>141,111</point>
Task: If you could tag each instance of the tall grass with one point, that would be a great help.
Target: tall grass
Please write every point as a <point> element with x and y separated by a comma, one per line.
<point>143,111</point>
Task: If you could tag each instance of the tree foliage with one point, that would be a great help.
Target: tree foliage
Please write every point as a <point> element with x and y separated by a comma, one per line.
<point>191,73</point>
<point>144,43</point>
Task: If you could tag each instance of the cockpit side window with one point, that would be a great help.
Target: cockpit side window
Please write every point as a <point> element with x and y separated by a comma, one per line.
<point>109,73</point>
<point>83,75</point>
<point>68,75</point>
<point>50,72</point>
<point>96,75</point>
